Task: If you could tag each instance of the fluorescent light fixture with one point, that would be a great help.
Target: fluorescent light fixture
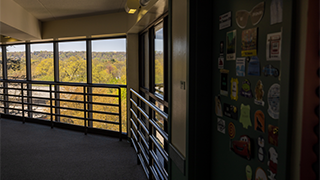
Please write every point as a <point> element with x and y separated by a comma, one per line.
<point>132,6</point>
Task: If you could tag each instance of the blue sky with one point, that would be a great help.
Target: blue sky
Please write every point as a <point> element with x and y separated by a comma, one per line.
<point>109,45</point>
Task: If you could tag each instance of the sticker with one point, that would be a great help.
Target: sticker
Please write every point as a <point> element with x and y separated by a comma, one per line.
<point>274,46</point>
<point>231,45</point>
<point>276,11</point>
<point>249,42</point>
<point>234,89</point>
<point>221,48</point>
<point>269,70</point>
<point>225,20</point>
<point>272,163</point>
<point>221,125</point>
<point>260,174</point>
<point>274,101</point>
<point>220,62</point>
<point>218,106</point>
<point>253,66</point>
<point>259,121</point>
<point>242,147</point>
<point>245,116</point>
<point>246,89</point>
<point>249,172</point>
<point>273,132</point>
<point>231,130</point>
<point>224,82</point>
<point>256,15</point>
<point>241,66</point>
<point>259,93</point>
<point>230,111</point>
<point>261,151</point>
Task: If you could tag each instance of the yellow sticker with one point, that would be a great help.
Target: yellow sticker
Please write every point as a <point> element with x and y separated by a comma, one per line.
<point>234,89</point>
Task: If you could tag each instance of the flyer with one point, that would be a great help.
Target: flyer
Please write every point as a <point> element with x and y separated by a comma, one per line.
<point>241,66</point>
<point>231,45</point>
<point>274,46</point>
<point>249,42</point>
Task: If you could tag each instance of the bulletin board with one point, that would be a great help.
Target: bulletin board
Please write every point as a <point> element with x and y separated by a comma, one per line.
<point>251,77</point>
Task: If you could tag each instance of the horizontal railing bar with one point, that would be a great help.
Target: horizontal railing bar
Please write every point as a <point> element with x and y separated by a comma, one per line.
<point>33,111</point>
<point>68,92</point>
<point>141,123</point>
<point>143,166</point>
<point>15,102</point>
<point>104,95</point>
<point>13,109</point>
<point>143,152</point>
<point>139,108</point>
<point>14,95</point>
<point>143,139</point>
<point>9,88</point>
<point>161,131</point>
<point>155,174</point>
<point>67,108</point>
<point>102,104</point>
<point>102,112</point>
<point>154,107</point>
<point>68,116</point>
<point>134,134</point>
<point>38,90</point>
<point>155,142</point>
<point>134,124</point>
<point>156,160</point>
<point>103,121</point>
<point>36,97</point>
<point>134,145</point>
<point>66,100</point>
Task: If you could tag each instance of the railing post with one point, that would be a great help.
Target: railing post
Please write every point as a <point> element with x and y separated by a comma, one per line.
<point>51,115</point>
<point>85,109</point>
<point>120,117</point>
<point>22,104</point>
<point>150,127</point>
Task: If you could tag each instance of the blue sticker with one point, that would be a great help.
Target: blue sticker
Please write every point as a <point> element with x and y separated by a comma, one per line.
<point>241,66</point>
<point>254,66</point>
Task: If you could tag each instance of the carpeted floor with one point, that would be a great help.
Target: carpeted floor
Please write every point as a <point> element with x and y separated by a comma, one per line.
<point>36,152</point>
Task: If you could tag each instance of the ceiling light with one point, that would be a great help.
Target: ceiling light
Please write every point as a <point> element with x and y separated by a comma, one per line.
<point>132,6</point>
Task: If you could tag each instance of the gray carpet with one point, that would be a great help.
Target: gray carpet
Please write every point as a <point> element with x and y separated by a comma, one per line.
<point>37,152</point>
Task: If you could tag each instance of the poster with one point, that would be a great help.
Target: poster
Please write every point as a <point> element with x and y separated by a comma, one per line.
<point>249,42</point>
<point>231,45</point>
<point>241,66</point>
<point>276,11</point>
<point>225,20</point>
<point>274,46</point>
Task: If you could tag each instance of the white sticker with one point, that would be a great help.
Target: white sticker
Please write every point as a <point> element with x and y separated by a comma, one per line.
<point>225,20</point>
<point>221,125</point>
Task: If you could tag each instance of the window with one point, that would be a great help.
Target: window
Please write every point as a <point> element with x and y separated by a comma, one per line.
<point>42,62</point>
<point>72,62</point>
<point>158,60</point>
<point>1,72</point>
<point>16,62</point>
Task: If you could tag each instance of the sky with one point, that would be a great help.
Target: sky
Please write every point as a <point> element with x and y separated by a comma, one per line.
<point>105,45</point>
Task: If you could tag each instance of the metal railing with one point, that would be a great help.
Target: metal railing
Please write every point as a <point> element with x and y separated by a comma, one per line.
<point>63,102</point>
<point>148,138</point>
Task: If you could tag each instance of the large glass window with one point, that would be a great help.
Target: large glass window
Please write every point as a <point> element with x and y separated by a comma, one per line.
<point>158,63</point>
<point>109,61</point>
<point>42,62</point>
<point>72,62</point>
<point>1,73</point>
<point>16,62</point>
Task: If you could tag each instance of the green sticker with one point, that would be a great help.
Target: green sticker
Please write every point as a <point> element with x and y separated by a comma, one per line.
<point>248,172</point>
<point>245,116</point>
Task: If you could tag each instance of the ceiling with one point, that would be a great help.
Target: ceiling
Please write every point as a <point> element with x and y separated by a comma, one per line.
<point>47,10</point>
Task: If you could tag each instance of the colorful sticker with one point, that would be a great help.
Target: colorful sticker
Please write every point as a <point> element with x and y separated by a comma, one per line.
<point>221,125</point>
<point>272,163</point>
<point>269,70</point>
<point>274,46</point>
<point>256,15</point>
<point>230,111</point>
<point>249,172</point>
<point>276,11</point>
<point>242,147</point>
<point>253,66</point>
<point>246,89</point>
<point>259,121</point>
<point>218,106</point>
<point>224,82</point>
<point>260,174</point>
<point>259,93</point>
<point>273,133</point>
<point>274,101</point>
<point>220,62</point>
<point>241,66</point>
<point>261,151</point>
<point>234,89</point>
<point>249,42</point>
<point>231,130</point>
<point>231,45</point>
<point>245,116</point>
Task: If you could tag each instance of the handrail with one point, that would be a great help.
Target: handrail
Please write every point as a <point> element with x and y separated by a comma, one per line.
<point>154,107</point>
